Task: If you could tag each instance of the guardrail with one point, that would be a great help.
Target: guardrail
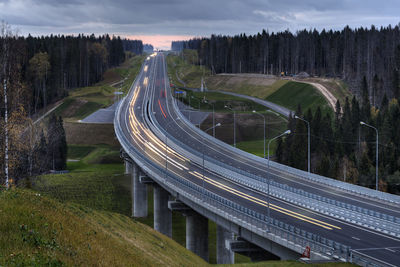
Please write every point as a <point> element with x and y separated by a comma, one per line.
<point>359,190</point>
<point>361,216</point>
<point>240,215</point>
<point>245,217</point>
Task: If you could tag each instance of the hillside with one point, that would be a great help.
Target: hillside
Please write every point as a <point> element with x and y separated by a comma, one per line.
<point>37,231</point>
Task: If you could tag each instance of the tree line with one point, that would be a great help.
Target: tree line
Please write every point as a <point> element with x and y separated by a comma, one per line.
<point>350,54</point>
<point>51,65</point>
<point>37,71</point>
<point>344,149</point>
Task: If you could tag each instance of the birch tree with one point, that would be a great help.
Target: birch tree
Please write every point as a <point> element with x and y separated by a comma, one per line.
<point>5,36</point>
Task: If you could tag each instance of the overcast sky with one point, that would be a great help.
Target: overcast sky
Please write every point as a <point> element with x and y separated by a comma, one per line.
<point>160,21</point>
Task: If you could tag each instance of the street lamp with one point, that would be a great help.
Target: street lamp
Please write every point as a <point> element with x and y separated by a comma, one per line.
<point>308,128</point>
<point>377,154</point>
<point>204,148</point>
<point>234,125</point>
<point>268,179</point>
<point>166,146</point>
<point>213,116</point>
<point>264,127</point>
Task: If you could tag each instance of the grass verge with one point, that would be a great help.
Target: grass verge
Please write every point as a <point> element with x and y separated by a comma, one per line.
<point>82,102</point>
<point>293,94</point>
<point>39,231</point>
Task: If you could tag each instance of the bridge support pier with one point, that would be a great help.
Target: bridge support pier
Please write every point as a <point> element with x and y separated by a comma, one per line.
<point>128,167</point>
<point>197,234</point>
<point>139,194</point>
<point>162,215</point>
<point>224,253</point>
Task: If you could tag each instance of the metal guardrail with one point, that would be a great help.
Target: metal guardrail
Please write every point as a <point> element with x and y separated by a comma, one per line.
<point>359,190</point>
<point>364,260</point>
<point>361,216</point>
<point>245,217</point>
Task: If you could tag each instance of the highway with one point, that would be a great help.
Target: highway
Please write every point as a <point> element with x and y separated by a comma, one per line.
<point>150,98</point>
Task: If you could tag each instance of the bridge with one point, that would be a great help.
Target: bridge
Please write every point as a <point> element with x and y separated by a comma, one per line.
<point>265,213</point>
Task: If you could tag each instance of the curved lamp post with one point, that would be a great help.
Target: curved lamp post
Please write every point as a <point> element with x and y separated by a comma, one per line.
<point>204,148</point>
<point>234,125</point>
<point>268,179</point>
<point>308,128</point>
<point>377,154</point>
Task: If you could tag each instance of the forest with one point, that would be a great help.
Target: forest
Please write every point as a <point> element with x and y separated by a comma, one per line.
<point>368,60</point>
<point>344,149</point>
<point>38,71</point>
<point>349,54</point>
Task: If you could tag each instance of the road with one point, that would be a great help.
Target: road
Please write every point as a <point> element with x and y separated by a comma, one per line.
<point>152,90</point>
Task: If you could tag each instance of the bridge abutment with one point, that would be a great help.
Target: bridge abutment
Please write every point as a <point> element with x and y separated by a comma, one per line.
<point>224,253</point>
<point>162,215</point>
<point>139,194</point>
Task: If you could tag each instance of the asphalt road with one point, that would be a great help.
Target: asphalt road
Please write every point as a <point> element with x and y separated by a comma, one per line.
<point>149,86</point>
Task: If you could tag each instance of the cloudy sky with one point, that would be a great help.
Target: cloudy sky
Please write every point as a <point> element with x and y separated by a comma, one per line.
<point>160,21</point>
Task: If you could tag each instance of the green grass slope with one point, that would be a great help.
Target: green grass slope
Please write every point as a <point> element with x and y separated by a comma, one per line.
<point>82,102</point>
<point>39,231</point>
<point>291,94</point>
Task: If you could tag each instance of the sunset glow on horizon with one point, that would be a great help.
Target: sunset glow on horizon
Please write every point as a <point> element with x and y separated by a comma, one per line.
<point>159,41</point>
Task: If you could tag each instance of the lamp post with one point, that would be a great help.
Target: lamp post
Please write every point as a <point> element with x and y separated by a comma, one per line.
<point>308,128</point>
<point>204,148</point>
<point>213,115</point>
<point>166,146</point>
<point>377,154</point>
<point>234,125</point>
<point>264,127</point>
<point>268,179</point>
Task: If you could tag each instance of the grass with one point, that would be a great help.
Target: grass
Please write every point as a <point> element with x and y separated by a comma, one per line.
<point>220,100</point>
<point>90,134</point>
<point>190,74</point>
<point>39,231</point>
<point>256,147</point>
<point>283,92</point>
<point>257,87</point>
<point>82,102</point>
<point>293,94</point>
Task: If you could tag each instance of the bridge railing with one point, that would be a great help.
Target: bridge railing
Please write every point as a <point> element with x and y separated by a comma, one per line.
<point>299,173</point>
<point>256,222</point>
<point>351,213</point>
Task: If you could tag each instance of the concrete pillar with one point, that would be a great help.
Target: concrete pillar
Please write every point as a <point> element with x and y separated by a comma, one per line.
<point>224,253</point>
<point>197,234</point>
<point>128,167</point>
<point>139,194</point>
<point>162,214</point>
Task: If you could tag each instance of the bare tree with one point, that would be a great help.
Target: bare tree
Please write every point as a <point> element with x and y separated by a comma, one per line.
<point>5,36</point>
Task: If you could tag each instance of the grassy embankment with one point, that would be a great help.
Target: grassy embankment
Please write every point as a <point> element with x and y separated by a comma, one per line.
<point>40,231</point>
<point>91,224</point>
<point>95,177</point>
<point>81,102</point>
<point>287,93</point>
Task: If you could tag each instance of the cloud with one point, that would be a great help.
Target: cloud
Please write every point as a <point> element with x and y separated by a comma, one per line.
<point>192,17</point>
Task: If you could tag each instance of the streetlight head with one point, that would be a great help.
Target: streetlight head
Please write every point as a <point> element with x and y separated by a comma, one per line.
<point>362,123</point>
<point>287,132</point>
<point>218,124</point>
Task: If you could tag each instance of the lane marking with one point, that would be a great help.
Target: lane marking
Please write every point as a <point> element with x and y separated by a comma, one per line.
<point>356,238</point>
<point>159,103</point>
<point>265,204</point>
